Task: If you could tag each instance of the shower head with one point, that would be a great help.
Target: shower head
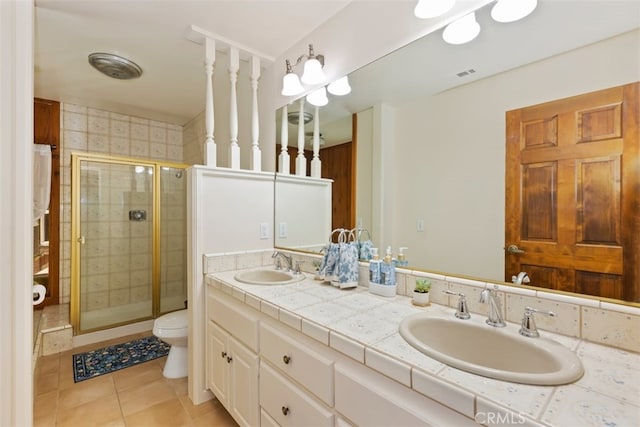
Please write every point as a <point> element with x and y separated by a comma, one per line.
<point>179,174</point>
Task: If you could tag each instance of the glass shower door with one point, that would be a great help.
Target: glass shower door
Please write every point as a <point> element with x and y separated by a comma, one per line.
<point>115,237</point>
<point>173,239</point>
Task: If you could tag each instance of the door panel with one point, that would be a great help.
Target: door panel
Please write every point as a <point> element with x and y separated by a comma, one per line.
<point>572,193</point>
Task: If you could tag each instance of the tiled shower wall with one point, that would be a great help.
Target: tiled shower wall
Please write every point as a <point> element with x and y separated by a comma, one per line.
<point>89,130</point>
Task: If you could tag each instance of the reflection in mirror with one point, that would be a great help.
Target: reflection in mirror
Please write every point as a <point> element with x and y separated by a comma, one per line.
<point>437,126</point>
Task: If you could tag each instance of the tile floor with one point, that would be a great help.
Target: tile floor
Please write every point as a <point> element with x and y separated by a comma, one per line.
<point>136,396</point>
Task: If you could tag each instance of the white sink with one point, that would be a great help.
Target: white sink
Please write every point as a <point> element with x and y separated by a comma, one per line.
<point>268,276</point>
<point>499,353</point>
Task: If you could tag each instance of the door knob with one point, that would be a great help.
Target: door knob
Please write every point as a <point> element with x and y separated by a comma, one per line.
<point>513,249</point>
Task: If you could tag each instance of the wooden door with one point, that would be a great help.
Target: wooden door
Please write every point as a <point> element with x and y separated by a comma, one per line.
<point>573,193</point>
<point>46,130</point>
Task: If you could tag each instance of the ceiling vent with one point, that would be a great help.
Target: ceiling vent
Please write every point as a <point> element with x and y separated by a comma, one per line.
<point>466,72</point>
<point>115,66</point>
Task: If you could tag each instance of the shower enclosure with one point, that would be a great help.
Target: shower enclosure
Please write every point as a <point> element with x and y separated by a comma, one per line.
<point>128,254</point>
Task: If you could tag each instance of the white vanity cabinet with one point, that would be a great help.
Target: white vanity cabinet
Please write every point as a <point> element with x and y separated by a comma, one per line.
<point>278,376</point>
<point>232,367</point>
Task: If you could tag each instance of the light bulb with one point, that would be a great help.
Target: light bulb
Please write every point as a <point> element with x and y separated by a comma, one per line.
<point>432,8</point>
<point>291,85</point>
<point>462,30</point>
<point>312,74</point>
<point>339,87</point>
<point>512,10</point>
<point>318,97</point>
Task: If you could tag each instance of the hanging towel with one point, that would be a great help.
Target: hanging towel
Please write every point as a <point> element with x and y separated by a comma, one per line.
<point>330,258</point>
<point>346,271</point>
<point>364,245</point>
<point>41,180</point>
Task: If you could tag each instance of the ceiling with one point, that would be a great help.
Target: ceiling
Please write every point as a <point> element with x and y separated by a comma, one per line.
<point>153,34</point>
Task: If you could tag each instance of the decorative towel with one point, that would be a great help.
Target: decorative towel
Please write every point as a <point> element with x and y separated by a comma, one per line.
<point>364,246</point>
<point>346,272</point>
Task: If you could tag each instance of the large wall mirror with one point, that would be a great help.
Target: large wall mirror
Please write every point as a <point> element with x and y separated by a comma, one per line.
<point>431,125</point>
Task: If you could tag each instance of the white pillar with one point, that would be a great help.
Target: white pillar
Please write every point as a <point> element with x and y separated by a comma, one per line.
<point>283,158</point>
<point>255,156</point>
<point>234,148</point>
<point>316,164</point>
<point>301,161</point>
<point>209,61</point>
<point>16,227</point>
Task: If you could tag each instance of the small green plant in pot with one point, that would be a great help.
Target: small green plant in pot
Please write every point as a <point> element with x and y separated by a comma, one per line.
<point>421,292</point>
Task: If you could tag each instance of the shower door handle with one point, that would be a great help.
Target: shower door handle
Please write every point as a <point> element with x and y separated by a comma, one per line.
<point>80,240</point>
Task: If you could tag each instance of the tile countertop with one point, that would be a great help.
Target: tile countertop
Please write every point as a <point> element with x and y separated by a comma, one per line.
<point>364,326</point>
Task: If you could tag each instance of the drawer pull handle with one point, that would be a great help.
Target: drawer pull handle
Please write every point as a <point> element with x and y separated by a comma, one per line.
<point>229,359</point>
<point>223,354</point>
<point>286,359</point>
<point>285,411</point>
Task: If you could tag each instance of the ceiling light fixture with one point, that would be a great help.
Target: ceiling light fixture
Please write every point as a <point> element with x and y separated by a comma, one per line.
<point>115,66</point>
<point>512,10</point>
<point>312,74</point>
<point>462,30</point>
<point>432,8</point>
<point>339,87</point>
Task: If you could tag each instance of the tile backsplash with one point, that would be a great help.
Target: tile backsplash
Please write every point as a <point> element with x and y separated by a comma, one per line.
<point>593,320</point>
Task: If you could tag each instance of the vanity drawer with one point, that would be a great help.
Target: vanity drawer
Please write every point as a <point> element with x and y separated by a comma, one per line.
<point>235,319</point>
<point>287,404</point>
<point>307,367</point>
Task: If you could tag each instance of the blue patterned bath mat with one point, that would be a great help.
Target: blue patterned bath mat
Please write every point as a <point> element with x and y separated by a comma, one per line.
<point>102,361</point>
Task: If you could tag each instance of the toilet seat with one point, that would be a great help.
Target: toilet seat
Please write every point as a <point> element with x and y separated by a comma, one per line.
<point>174,320</point>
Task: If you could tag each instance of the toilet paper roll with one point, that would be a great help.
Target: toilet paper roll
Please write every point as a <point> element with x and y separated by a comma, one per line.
<point>39,292</point>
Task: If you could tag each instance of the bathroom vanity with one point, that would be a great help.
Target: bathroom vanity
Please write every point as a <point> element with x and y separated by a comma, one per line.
<point>309,354</point>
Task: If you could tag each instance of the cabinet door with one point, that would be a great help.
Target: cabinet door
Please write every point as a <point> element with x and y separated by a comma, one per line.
<point>217,365</point>
<point>243,397</point>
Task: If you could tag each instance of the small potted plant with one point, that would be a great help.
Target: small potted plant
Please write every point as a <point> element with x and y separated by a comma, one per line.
<point>421,292</point>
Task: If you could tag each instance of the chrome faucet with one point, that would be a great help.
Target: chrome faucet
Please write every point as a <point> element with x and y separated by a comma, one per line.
<point>521,278</point>
<point>489,296</point>
<point>462,311</point>
<point>287,259</point>
<point>528,327</point>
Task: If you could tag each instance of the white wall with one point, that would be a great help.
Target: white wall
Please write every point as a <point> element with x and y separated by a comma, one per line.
<point>16,227</point>
<point>225,209</point>
<point>364,169</point>
<point>450,153</point>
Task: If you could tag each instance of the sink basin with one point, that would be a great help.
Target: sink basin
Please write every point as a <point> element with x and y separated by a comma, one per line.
<point>268,277</point>
<point>499,353</point>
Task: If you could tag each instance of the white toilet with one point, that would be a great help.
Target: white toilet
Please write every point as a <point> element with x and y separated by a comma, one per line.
<point>173,328</point>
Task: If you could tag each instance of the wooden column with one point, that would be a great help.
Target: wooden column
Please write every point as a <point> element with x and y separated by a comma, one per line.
<point>234,148</point>
<point>209,61</point>
<point>283,158</point>
<point>316,164</point>
<point>301,161</point>
<point>255,156</point>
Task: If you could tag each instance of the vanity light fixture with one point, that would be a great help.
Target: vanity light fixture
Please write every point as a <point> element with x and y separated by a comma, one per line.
<point>512,10</point>
<point>312,74</point>
<point>432,8</point>
<point>462,30</point>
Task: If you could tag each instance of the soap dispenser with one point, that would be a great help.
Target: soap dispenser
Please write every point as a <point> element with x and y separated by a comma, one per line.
<point>388,270</point>
<point>374,267</point>
<point>402,261</point>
